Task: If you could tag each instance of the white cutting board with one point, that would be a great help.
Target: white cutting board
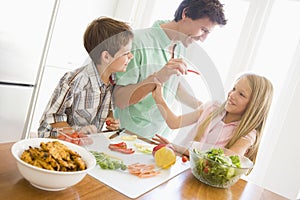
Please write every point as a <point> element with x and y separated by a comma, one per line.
<point>124,182</point>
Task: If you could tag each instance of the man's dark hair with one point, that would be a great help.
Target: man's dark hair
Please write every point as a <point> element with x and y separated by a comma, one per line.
<point>197,9</point>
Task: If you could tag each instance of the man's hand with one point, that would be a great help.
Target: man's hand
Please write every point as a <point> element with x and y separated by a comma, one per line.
<point>174,66</point>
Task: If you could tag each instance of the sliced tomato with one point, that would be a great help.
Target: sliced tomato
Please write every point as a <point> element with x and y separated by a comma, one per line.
<point>74,135</point>
<point>61,137</point>
<point>108,122</point>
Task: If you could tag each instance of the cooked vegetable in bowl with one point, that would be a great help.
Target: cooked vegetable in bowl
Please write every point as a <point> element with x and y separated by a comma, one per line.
<point>218,167</point>
<point>51,164</point>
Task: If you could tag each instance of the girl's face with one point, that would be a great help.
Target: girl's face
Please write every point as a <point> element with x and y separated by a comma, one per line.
<point>238,98</point>
<point>121,59</point>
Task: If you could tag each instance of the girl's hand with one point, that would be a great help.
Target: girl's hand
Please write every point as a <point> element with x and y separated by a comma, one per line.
<point>157,93</point>
<point>112,123</point>
<point>161,139</point>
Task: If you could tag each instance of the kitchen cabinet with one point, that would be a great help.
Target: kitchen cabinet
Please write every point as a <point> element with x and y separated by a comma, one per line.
<point>23,32</point>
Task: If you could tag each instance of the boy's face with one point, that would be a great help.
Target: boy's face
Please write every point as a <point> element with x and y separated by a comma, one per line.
<point>121,58</point>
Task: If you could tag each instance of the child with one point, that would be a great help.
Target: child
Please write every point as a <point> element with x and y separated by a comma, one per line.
<point>83,96</point>
<point>237,124</point>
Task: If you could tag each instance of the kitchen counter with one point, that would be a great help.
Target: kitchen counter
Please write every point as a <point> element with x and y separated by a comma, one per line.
<point>183,186</point>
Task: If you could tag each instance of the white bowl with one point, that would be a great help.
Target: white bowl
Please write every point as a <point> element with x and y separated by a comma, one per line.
<point>46,179</point>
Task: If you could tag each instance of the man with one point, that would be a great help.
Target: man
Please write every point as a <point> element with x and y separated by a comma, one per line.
<point>154,59</point>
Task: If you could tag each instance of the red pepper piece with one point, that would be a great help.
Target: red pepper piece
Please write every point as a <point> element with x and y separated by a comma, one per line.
<point>120,147</point>
<point>121,144</point>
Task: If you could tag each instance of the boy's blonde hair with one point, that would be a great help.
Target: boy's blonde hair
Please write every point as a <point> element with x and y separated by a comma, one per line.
<point>255,114</point>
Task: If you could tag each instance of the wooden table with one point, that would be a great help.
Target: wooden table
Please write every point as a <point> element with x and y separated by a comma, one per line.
<point>184,186</point>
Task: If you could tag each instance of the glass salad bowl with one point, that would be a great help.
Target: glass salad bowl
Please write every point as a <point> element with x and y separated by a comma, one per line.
<point>217,167</point>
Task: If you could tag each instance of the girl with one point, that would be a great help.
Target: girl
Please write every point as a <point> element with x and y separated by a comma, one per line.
<point>237,124</point>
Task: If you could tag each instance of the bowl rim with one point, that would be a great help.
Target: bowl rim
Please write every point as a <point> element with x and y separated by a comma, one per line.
<point>240,156</point>
<point>68,144</point>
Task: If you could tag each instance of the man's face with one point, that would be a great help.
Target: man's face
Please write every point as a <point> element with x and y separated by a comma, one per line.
<point>195,30</point>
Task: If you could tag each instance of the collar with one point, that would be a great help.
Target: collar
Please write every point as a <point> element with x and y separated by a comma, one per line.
<point>112,79</point>
<point>235,123</point>
<point>164,40</point>
<point>94,76</point>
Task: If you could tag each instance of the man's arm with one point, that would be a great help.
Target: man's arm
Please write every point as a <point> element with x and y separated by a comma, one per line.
<point>186,98</point>
<point>133,93</point>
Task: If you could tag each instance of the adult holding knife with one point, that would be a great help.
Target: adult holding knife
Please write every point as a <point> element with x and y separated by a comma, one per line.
<point>83,96</point>
<point>155,57</point>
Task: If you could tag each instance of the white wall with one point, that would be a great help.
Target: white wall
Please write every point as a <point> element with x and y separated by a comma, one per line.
<point>282,174</point>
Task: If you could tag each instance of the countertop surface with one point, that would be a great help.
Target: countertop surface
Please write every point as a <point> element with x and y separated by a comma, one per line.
<point>182,186</point>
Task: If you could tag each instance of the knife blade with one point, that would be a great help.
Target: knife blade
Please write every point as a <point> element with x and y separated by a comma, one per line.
<point>117,133</point>
<point>142,138</point>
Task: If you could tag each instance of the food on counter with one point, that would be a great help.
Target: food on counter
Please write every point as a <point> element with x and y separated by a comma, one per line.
<point>74,137</point>
<point>164,157</point>
<point>144,148</point>
<point>54,156</point>
<point>121,147</point>
<point>129,137</point>
<point>214,166</point>
<point>108,122</point>
<point>184,158</point>
<point>157,147</point>
<point>143,170</point>
<point>106,161</point>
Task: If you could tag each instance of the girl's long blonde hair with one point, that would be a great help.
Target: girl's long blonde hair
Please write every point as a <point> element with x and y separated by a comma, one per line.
<point>255,114</point>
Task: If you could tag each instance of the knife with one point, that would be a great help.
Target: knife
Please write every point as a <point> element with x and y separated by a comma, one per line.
<point>117,133</point>
<point>142,138</point>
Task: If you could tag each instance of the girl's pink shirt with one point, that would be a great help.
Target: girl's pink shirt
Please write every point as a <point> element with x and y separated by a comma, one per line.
<point>219,133</point>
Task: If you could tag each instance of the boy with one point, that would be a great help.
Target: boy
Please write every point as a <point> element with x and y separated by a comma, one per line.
<point>83,96</point>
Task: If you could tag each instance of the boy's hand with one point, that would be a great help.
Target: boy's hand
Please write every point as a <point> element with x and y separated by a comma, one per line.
<point>90,129</point>
<point>112,124</point>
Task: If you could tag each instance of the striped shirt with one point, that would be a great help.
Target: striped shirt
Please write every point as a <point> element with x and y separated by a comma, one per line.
<point>80,99</point>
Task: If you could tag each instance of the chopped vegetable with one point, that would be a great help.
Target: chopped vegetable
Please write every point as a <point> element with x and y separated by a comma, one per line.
<point>129,137</point>
<point>215,167</point>
<point>75,138</point>
<point>106,161</point>
<point>142,170</point>
<point>144,148</point>
<point>121,147</point>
